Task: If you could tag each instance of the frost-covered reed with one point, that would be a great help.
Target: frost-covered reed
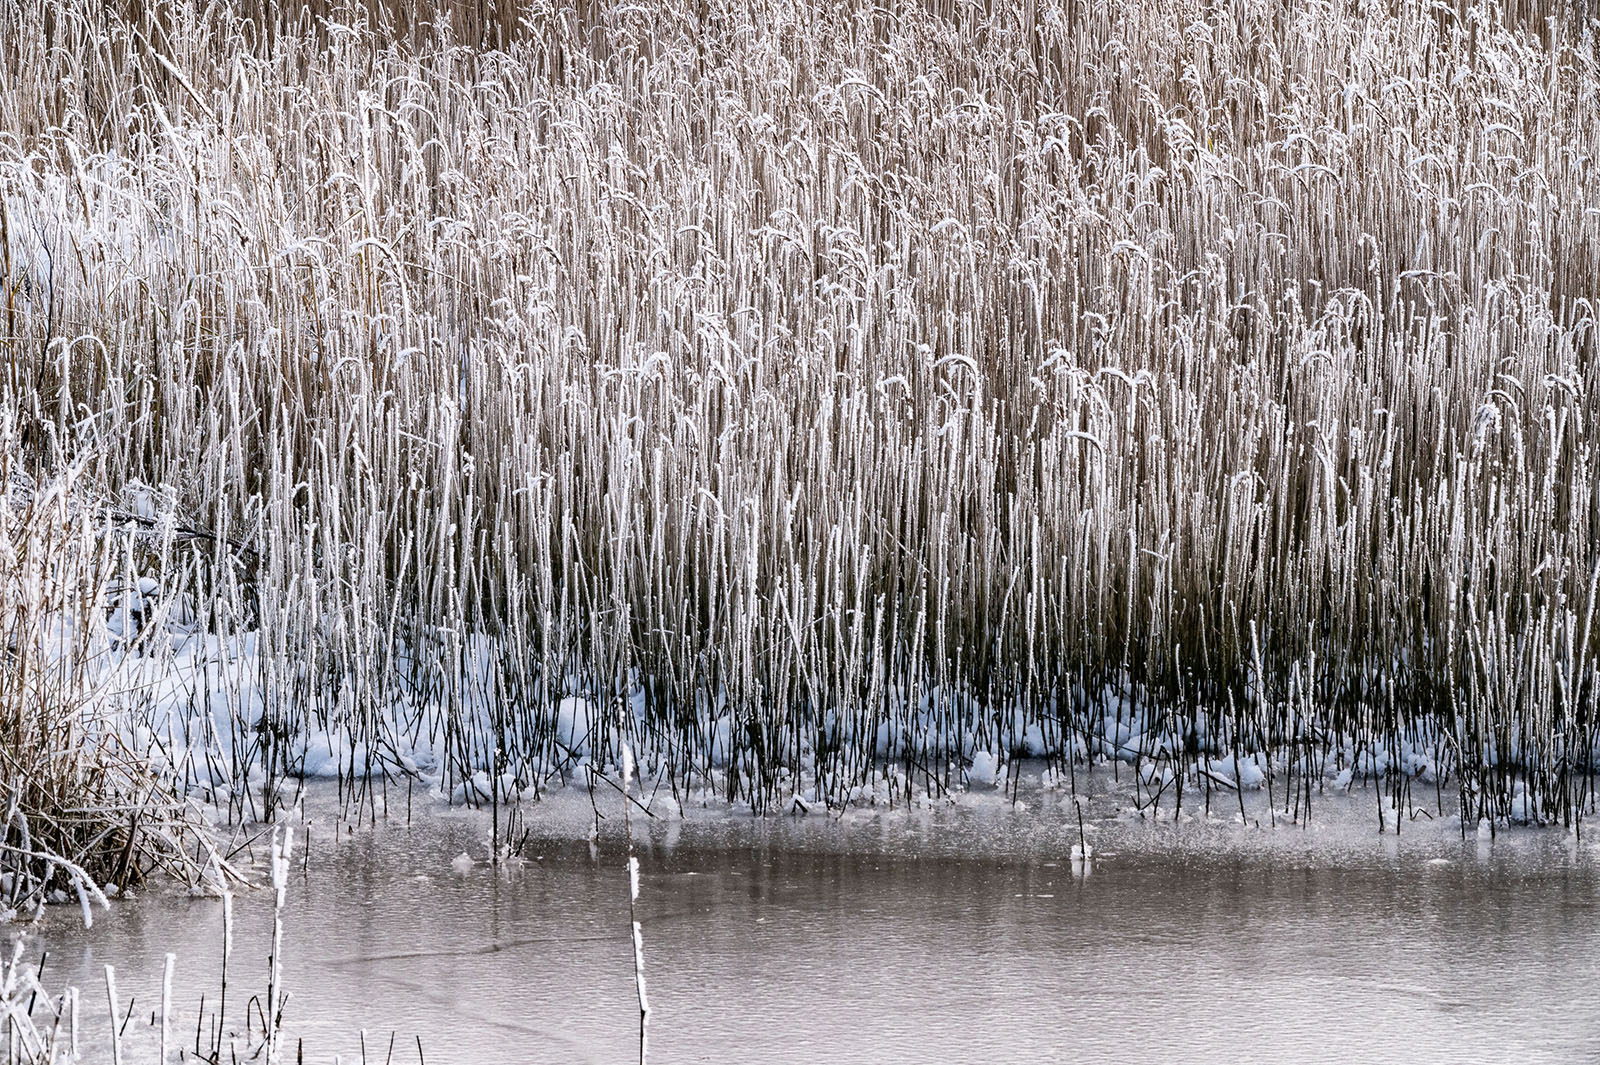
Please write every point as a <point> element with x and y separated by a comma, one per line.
<point>814,387</point>
<point>29,1038</point>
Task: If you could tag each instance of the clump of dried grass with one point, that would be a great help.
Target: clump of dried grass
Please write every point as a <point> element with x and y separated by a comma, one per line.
<point>80,807</point>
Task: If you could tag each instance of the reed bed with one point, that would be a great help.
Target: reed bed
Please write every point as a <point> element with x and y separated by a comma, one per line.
<point>819,395</point>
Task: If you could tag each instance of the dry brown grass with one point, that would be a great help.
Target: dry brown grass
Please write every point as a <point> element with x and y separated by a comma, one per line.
<point>80,805</point>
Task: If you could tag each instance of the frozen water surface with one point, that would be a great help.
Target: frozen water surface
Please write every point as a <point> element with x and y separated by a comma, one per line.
<point>942,934</point>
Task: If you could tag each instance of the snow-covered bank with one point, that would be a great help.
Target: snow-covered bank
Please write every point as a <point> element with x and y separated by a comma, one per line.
<point>200,708</point>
